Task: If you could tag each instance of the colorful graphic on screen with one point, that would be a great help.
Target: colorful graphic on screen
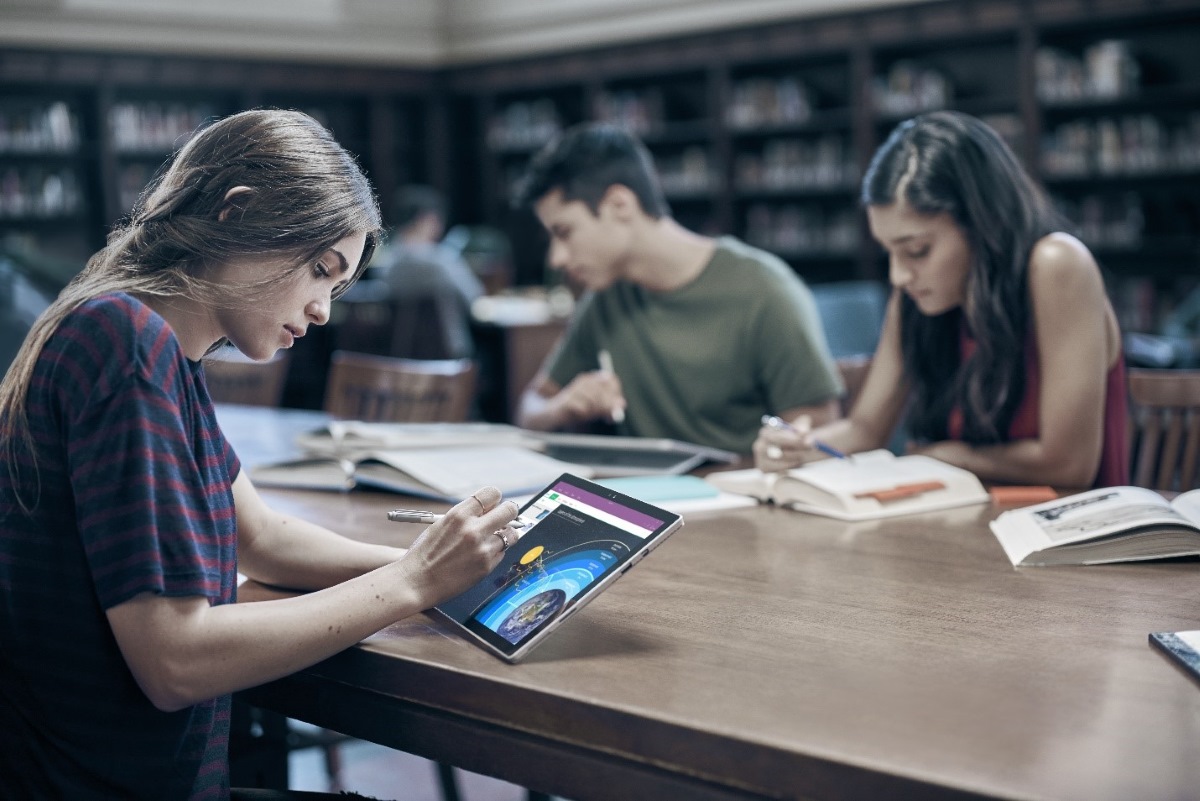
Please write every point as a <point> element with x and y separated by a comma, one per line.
<point>535,591</point>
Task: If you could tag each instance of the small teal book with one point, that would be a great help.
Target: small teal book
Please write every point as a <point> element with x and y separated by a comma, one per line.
<point>1182,646</point>
<point>681,494</point>
<point>661,488</point>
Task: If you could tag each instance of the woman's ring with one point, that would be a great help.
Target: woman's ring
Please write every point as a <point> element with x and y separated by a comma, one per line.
<point>774,452</point>
<point>503,537</point>
<point>482,509</point>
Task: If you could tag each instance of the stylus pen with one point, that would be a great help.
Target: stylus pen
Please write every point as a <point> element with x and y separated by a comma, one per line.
<point>778,423</point>
<point>413,516</point>
<point>422,516</point>
<point>605,359</point>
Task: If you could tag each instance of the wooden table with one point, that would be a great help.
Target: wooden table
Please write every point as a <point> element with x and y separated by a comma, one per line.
<point>764,653</point>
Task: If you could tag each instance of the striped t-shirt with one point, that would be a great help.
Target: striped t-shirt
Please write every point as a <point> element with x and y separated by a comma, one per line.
<point>133,494</point>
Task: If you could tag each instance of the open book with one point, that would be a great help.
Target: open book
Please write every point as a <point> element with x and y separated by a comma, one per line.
<point>445,473</point>
<point>865,486</point>
<point>1114,524</point>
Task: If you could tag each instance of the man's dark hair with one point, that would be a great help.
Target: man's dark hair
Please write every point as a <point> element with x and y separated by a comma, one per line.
<point>585,161</point>
<point>415,200</point>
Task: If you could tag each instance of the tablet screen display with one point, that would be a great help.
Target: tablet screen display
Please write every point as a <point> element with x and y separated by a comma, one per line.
<point>580,536</point>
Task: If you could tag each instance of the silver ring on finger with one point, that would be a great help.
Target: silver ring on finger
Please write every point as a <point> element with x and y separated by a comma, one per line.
<point>482,509</point>
<point>774,452</point>
<point>503,538</point>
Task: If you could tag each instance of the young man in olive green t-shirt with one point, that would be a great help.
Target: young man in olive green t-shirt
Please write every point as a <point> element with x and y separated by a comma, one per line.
<point>703,336</point>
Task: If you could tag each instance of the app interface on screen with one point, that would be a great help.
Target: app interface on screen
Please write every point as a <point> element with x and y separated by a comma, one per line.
<point>575,538</point>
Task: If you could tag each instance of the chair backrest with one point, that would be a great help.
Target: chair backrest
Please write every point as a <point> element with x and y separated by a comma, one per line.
<point>233,378</point>
<point>1164,430</point>
<point>852,315</point>
<point>381,388</point>
<point>408,328</point>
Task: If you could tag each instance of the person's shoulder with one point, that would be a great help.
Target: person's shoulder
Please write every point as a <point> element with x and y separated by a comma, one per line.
<point>1060,264</point>
<point>119,318</point>
<point>732,253</point>
<point>123,335</point>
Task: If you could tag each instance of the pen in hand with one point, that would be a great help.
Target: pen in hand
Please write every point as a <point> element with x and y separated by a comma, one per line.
<point>413,516</point>
<point>606,364</point>
<point>779,424</point>
<point>423,516</point>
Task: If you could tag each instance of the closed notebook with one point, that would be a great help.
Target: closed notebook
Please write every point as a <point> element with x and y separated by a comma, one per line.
<point>1182,646</point>
<point>866,486</point>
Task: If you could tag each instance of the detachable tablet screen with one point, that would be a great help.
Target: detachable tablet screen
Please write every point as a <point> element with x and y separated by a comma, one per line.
<point>581,537</point>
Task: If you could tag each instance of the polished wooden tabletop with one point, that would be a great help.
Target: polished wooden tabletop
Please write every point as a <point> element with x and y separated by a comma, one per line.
<point>768,653</point>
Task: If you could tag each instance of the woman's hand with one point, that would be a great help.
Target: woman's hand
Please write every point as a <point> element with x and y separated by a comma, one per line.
<point>781,445</point>
<point>461,548</point>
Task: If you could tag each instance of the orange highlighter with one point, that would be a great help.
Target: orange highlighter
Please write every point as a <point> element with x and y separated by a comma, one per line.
<point>901,491</point>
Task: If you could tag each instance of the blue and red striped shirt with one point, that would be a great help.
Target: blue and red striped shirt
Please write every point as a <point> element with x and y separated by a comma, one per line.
<point>132,493</point>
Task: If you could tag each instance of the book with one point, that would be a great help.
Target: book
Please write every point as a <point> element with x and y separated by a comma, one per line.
<point>1182,646</point>
<point>864,486</point>
<point>445,473</point>
<point>351,438</point>
<point>602,455</point>
<point>677,493</point>
<point>1113,524</point>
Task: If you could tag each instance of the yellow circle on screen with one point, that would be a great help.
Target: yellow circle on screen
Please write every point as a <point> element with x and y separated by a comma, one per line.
<point>531,554</point>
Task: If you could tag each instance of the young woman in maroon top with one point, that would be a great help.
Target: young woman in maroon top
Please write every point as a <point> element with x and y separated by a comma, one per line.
<point>999,340</point>
<point>125,514</point>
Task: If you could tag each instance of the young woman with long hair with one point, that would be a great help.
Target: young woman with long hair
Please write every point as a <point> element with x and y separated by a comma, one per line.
<point>999,340</point>
<point>124,513</point>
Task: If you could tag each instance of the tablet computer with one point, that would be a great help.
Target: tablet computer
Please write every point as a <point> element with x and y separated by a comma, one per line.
<point>608,456</point>
<point>579,538</point>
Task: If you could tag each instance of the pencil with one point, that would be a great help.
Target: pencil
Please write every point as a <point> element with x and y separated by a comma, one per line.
<point>606,364</point>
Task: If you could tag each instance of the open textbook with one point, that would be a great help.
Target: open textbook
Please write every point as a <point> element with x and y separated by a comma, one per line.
<point>865,486</point>
<point>1114,524</point>
<point>444,473</point>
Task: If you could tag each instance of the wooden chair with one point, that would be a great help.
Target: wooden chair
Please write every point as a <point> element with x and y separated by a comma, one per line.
<point>380,388</point>
<point>233,378</point>
<point>1164,429</point>
<point>365,386</point>
<point>369,321</point>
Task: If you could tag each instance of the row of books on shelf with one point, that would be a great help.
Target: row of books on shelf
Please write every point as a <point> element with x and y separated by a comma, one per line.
<point>1134,144</point>
<point>54,127</point>
<point>39,192</point>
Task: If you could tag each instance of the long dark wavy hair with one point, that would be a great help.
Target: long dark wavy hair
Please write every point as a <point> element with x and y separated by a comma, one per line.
<point>306,194</point>
<point>950,162</point>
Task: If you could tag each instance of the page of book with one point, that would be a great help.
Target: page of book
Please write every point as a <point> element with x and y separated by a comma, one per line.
<point>1102,525</point>
<point>866,486</point>
<point>317,473</point>
<point>355,437</point>
<point>452,474</point>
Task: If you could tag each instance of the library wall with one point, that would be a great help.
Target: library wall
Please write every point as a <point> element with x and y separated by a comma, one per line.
<point>764,132</point>
<point>761,131</point>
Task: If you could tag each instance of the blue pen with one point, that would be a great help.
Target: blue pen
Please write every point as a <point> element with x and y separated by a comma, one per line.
<point>778,423</point>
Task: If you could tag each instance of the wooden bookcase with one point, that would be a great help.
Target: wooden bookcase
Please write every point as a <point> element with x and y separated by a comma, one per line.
<point>765,132</point>
<point>762,132</point>
<point>81,134</point>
